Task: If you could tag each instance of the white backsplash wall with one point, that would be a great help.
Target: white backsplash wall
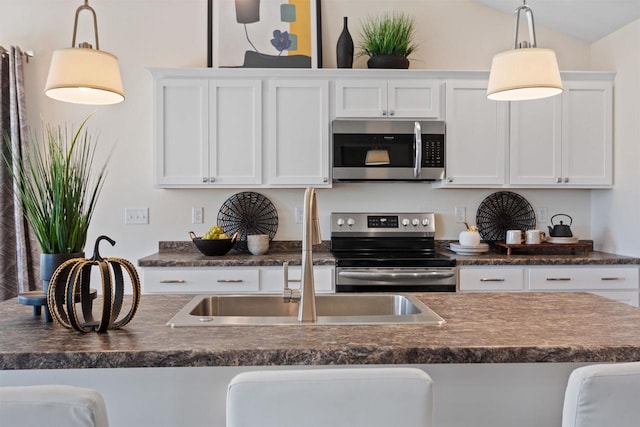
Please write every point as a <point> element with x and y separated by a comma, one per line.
<point>172,33</point>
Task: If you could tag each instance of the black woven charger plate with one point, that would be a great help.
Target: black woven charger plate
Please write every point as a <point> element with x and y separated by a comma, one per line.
<point>248,213</point>
<point>504,211</point>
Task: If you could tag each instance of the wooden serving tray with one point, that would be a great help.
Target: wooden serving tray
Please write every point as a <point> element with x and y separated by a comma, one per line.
<point>585,246</point>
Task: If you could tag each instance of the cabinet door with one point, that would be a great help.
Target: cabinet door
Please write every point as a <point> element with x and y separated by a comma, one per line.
<point>476,136</point>
<point>235,132</point>
<point>587,147</point>
<point>181,132</point>
<point>413,98</point>
<point>298,129</point>
<point>535,141</point>
<point>361,98</point>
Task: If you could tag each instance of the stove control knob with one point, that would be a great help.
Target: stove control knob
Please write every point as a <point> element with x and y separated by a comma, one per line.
<point>405,222</point>
<point>350,221</point>
<point>415,222</point>
<point>425,221</point>
<point>340,222</point>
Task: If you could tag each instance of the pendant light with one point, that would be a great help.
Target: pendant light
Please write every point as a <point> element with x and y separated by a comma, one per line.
<point>83,75</point>
<point>526,71</point>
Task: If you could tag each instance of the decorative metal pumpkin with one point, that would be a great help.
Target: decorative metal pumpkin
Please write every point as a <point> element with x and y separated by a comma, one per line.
<point>69,286</point>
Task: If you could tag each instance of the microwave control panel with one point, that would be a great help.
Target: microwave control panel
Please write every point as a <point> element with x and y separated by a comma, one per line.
<point>433,151</point>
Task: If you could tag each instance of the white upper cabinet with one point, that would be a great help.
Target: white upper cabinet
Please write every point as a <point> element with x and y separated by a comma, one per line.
<point>298,129</point>
<point>208,132</point>
<point>535,139</point>
<point>235,132</point>
<point>564,141</point>
<point>476,141</point>
<point>394,98</point>
<point>587,134</point>
<point>181,132</point>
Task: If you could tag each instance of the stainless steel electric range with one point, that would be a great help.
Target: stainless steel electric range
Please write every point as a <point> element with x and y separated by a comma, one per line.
<point>389,252</point>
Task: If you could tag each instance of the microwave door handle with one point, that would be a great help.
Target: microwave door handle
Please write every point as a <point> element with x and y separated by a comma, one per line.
<point>417,140</point>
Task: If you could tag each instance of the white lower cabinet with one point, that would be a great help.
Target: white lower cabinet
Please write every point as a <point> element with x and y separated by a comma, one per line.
<point>620,283</point>
<point>228,280</point>
<point>491,278</point>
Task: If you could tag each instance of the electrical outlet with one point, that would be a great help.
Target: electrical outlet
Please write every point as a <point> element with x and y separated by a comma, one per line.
<point>136,215</point>
<point>543,215</point>
<point>299,213</point>
<point>197,215</point>
<point>461,214</point>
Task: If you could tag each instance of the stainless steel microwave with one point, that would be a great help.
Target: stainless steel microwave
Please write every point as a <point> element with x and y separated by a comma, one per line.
<point>388,150</point>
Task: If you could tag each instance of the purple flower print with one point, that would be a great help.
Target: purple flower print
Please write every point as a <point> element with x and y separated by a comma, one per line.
<point>281,40</point>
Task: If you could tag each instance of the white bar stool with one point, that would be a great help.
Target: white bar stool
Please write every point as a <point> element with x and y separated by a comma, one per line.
<point>54,405</point>
<point>603,395</point>
<point>367,397</point>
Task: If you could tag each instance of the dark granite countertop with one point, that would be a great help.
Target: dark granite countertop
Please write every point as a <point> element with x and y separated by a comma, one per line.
<point>479,328</point>
<point>537,256</point>
<point>185,254</point>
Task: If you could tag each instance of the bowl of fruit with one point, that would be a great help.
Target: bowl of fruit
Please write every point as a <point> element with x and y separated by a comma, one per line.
<point>215,242</point>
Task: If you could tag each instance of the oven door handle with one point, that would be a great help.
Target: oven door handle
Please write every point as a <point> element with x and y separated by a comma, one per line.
<point>379,275</point>
<point>417,140</point>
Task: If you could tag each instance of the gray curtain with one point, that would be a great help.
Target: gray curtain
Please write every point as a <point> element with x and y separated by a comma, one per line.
<point>18,250</point>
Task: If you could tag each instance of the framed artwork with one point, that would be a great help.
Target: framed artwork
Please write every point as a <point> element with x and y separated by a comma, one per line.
<point>264,34</point>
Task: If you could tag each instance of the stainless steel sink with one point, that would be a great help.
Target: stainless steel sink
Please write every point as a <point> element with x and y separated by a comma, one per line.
<point>333,309</point>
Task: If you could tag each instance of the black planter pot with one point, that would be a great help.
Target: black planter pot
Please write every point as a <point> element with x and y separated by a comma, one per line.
<point>48,265</point>
<point>344,48</point>
<point>388,61</point>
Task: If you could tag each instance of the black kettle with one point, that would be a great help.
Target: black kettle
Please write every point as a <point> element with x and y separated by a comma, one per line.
<point>561,230</point>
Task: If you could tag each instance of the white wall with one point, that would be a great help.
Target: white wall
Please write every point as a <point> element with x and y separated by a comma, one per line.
<point>615,213</point>
<point>454,34</point>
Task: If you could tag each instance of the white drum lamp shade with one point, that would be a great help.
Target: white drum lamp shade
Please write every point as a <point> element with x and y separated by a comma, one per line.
<point>84,76</point>
<point>526,73</point>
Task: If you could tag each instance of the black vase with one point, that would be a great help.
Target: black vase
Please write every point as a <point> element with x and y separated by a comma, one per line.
<point>388,61</point>
<point>344,48</point>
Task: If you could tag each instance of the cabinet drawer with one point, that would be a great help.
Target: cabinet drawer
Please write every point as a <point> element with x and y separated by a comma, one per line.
<point>166,280</point>
<point>272,279</point>
<point>491,279</point>
<point>583,278</point>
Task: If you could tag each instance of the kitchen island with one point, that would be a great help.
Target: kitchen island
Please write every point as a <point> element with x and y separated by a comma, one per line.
<point>500,359</point>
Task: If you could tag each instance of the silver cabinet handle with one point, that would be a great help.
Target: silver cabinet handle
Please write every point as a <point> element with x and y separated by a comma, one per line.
<point>566,180</point>
<point>212,179</point>
<point>384,113</point>
<point>391,113</point>
<point>205,179</point>
<point>230,280</point>
<point>173,281</point>
<point>449,179</point>
<point>558,180</point>
<point>612,278</point>
<point>558,279</point>
<point>485,279</point>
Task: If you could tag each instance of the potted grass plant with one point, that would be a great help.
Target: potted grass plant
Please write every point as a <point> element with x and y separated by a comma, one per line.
<point>59,187</point>
<point>388,40</point>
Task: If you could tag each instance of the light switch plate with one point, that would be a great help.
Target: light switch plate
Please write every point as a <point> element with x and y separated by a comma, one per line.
<point>136,216</point>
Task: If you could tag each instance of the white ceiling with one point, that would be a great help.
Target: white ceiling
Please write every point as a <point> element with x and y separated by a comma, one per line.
<point>587,20</point>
